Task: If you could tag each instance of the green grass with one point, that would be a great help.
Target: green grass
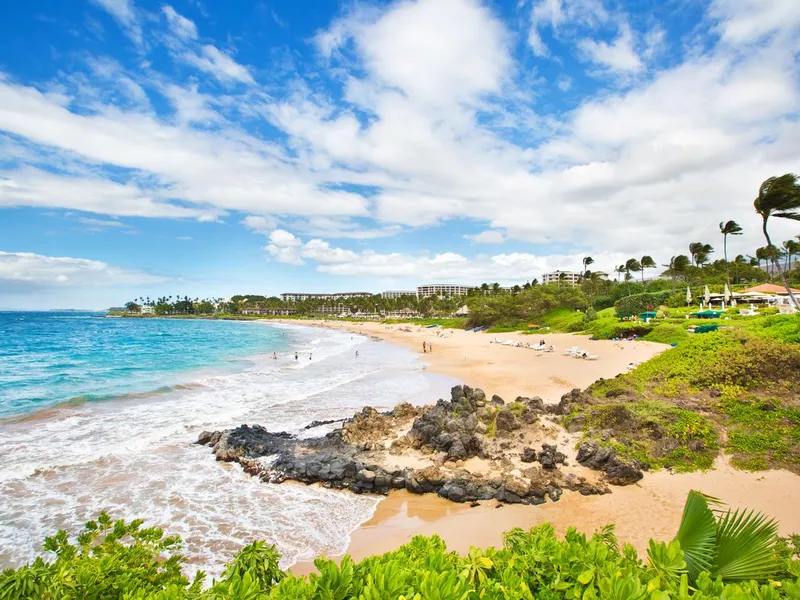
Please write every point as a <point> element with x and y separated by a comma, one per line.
<point>666,333</point>
<point>564,320</point>
<point>762,433</point>
<point>656,433</point>
<point>445,322</point>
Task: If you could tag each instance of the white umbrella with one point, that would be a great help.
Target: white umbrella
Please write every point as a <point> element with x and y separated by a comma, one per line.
<point>707,295</point>
<point>688,296</point>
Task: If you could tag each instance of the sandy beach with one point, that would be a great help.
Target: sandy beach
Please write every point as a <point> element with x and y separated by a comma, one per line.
<point>509,371</point>
<point>649,509</point>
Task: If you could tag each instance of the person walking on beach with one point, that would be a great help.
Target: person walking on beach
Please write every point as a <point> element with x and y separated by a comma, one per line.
<point>430,347</point>
<point>296,356</point>
<point>424,348</point>
<point>274,356</point>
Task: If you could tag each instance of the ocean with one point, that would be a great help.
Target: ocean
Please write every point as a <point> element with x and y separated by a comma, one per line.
<point>101,413</point>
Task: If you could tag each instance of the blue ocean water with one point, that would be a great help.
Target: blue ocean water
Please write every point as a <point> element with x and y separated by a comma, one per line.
<point>49,358</point>
<point>102,414</point>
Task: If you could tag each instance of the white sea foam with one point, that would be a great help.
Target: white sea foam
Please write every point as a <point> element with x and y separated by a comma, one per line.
<point>135,456</point>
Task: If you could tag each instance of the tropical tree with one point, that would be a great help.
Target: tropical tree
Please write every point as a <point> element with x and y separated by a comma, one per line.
<point>790,248</point>
<point>678,265</point>
<point>619,270</point>
<point>732,545</point>
<point>632,266</point>
<point>726,229</point>
<point>779,197</point>
<point>699,252</point>
<point>646,262</point>
<point>587,260</point>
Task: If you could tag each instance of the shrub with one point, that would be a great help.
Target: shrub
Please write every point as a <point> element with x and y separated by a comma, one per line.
<point>531,564</point>
<point>666,333</point>
<point>631,306</point>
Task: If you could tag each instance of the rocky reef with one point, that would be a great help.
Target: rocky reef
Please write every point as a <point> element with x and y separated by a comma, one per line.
<point>466,449</point>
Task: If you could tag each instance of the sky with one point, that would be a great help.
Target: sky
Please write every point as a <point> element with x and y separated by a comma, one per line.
<point>209,148</point>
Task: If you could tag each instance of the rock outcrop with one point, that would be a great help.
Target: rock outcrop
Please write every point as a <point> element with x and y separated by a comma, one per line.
<point>433,446</point>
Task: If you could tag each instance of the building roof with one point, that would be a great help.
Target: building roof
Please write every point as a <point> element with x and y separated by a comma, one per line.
<point>770,288</point>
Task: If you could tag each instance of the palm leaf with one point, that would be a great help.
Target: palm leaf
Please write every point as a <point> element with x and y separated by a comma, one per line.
<point>745,546</point>
<point>697,533</point>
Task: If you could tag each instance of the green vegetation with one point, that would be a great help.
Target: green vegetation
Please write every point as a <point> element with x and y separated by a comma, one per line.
<point>656,434</point>
<point>671,410</point>
<point>634,305</point>
<point>729,556</point>
<point>667,333</point>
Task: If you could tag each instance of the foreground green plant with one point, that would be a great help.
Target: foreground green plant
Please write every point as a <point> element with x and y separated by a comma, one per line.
<point>735,556</point>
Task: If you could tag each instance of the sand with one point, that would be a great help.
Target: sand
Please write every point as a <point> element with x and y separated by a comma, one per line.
<point>650,509</point>
<point>508,371</point>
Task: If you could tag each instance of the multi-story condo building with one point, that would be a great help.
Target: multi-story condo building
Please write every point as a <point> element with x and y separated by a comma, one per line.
<point>563,277</point>
<point>396,294</point>
<point>443,289</point>
<point>299,296</point>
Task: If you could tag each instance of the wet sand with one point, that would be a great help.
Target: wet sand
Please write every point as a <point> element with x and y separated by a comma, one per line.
<point>650,509</point>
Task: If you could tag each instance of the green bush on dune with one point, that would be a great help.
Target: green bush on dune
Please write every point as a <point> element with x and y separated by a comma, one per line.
<point>728,555</point>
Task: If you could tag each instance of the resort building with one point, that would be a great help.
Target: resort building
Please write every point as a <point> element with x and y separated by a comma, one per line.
<point>443,289</point>
<point>146,310</point>
<point>299,297</point>
<point>396,294</point>
<point>562,277</point>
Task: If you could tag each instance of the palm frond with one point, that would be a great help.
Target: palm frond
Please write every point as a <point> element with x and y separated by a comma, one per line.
<point>745,546</point>
<point>697,533</point>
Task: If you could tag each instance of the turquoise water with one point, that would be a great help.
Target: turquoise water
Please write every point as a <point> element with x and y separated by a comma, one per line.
<point>50,358</point>
<point>125,401</point>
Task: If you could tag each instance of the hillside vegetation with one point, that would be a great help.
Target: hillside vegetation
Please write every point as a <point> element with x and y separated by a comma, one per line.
<point>735,390</point>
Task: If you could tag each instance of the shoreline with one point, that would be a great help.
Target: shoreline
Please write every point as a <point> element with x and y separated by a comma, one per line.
<point>651,508</point>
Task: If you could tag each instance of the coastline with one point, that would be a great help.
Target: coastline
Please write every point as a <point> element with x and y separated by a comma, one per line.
<point>649,509</point>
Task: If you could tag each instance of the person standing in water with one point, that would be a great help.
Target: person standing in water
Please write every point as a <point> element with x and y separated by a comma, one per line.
<point>274,356</point>
<point>309,356</point>
<point>356,353</point>
<point>296,356</point>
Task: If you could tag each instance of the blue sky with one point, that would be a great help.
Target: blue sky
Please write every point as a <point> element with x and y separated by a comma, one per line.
<point>213,148</point>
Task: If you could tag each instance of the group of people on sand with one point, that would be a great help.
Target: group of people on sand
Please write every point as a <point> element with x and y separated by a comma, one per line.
<point>427,347</point>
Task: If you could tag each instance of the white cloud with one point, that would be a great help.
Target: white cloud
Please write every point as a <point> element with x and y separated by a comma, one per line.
<point>182,27</point>
<point>618,55</point>
<point>553,14</point>
<point>21,271</point>
<point>745,21</point>
<point>285,247</point>
<point>34,187</point>
<point>190,105</point>
<point>489,236</point>
<point>260,224</point>
<point>215,62</point>
<point>102,223</point>
<point>124,13</point>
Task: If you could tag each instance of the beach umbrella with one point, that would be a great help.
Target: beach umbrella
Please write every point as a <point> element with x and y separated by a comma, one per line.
<point>688,296</point>
<point>706,296</point>
<point>727,294</point>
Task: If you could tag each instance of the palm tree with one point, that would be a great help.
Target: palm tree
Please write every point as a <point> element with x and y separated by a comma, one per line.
<point>735,545</point>
<point>646,262</point>
<point>790,248</point>
<point>779,197</point>
<point>587,260</point>
<point>699,252</point>
<point>737,262</point>
<point>632,265</point>
<point>619,270</point>
<point>677,266</point>
<point>726,229</point>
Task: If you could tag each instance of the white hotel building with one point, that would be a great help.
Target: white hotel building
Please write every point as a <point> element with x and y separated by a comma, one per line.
<point>397,294</point>
<point>443,289</point>
<point>299,297</point>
